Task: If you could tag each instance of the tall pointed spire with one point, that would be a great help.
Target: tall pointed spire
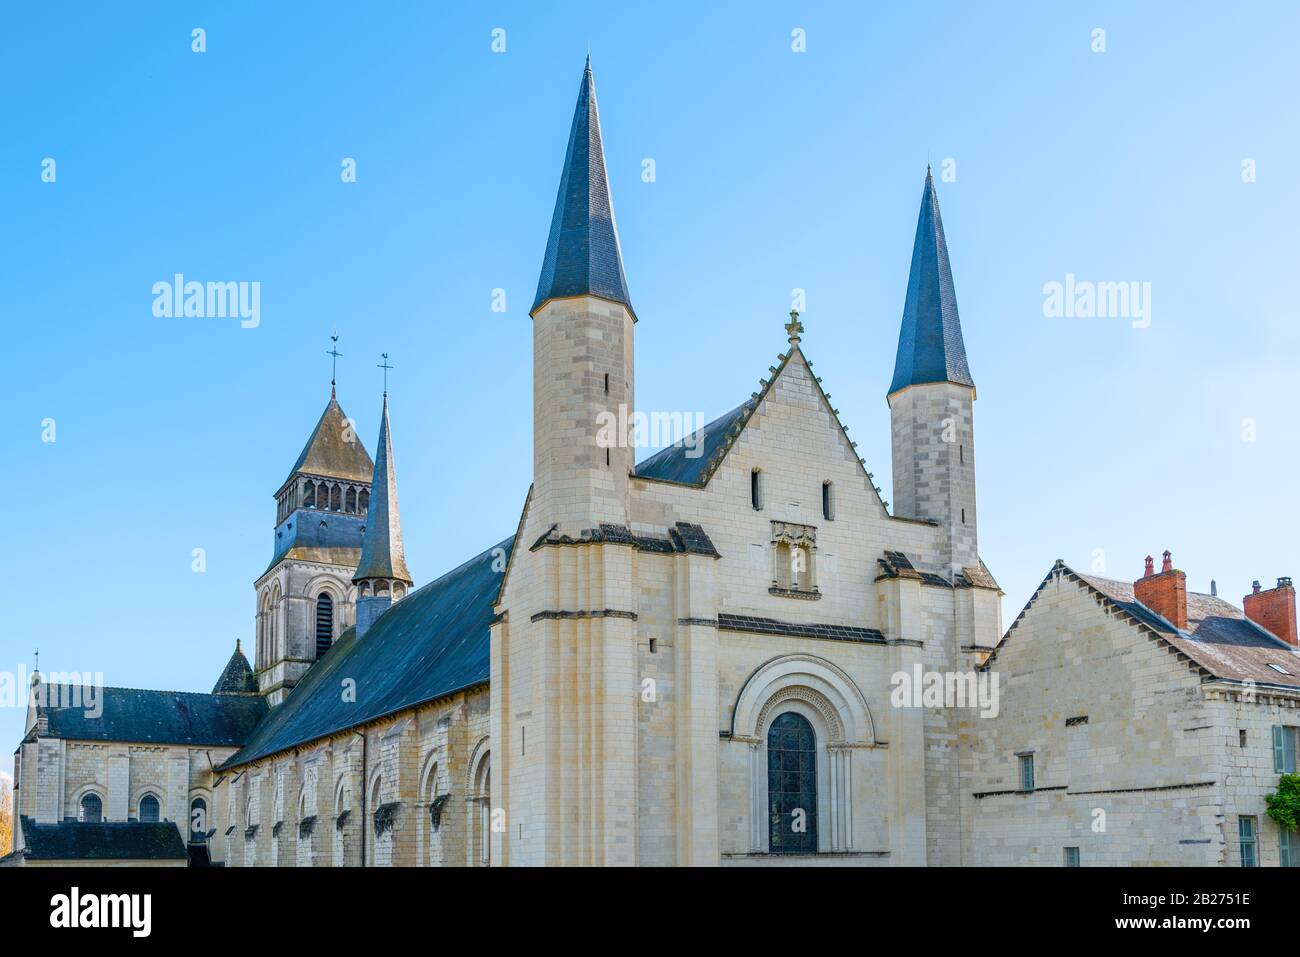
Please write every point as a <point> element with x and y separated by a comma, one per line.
<point>930,346</point>
<point>382,555</point>
<point>583,257</point>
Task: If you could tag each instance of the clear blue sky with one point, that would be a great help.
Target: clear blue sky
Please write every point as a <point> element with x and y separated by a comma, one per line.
<point>775,170</point>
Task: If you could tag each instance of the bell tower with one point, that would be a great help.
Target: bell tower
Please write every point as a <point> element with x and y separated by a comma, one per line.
<point>305,598</point>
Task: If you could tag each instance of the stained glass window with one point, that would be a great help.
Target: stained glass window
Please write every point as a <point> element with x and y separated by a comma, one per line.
<point>792,785</point>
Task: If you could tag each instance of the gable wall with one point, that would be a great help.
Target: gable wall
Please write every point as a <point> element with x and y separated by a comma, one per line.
<point>1138,760</point>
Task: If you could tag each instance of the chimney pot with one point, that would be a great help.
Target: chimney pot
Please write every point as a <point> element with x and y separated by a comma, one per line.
<point>1150,567</point>
<point>1168,564</point>
<point>1214,588</point>
<point>1254,587</point>
<point>1274,609</point>
<point>1165,594</point>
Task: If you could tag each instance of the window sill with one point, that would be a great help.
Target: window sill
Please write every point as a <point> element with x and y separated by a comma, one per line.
<point>813,595</point>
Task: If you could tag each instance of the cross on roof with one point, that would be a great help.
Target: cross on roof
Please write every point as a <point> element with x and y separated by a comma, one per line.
<point>385,366</point>
<point>794,328</point>
<point>334,365</point>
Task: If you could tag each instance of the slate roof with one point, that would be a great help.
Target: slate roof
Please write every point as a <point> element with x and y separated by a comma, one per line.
<point>382,554</point>
<point>102,841</point>
<point>583,256</point>
<point>238,677</point>
<point>150,717</point>
<point>1219,637</point>
<point>930,346</point>
<point>688,461</point>
<point>432,643</point>
<point>328,452</point>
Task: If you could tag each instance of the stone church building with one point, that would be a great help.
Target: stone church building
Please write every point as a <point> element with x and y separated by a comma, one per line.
<point>689,660</point>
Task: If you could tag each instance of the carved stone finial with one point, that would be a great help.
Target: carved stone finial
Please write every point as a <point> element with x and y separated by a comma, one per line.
<point>794,328</point>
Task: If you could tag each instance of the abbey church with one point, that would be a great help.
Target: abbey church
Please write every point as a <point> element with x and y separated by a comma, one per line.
<point>688,660</point>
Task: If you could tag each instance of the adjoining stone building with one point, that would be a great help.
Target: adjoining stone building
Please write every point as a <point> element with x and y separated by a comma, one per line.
<point>686,660</point>
<point>100,769</point>
<point>1140,724</point>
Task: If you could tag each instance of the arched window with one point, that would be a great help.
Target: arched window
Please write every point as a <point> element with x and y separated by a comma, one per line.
<point>149,809</point>
<point>791,785</point>
<point>363,501</point>
<point>756,488</point>
<point>92,809</point>
<point>828,502</point>
<point>324,623</point>
<point>309,497</point>
<point>351,500</point>
<point>336,498</point>
<point>198,821</point>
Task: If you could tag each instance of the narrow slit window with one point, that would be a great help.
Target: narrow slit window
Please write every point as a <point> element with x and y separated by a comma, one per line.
<point>607,383</point>
<point>828,501</point>
<point>756,489</point>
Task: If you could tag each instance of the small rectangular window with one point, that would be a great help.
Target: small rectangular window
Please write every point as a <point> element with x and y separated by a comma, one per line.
<point>1241,737</point>
<point>1071,857</point>
<point>828,502</point>
<point>756,489</point>
<point>1026,772</point>
<point>1246,833</point>
<point>654,645</point>
<point>607,383</point>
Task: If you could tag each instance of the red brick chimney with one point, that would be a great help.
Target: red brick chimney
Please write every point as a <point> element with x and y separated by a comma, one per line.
<point>1274,609</point>
<point>1166,593</point>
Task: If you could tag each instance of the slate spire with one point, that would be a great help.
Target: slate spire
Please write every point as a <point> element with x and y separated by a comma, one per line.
<point>930,347</point>
<point>237,677</point>
<point>382,555</point>
<point>583,257</point>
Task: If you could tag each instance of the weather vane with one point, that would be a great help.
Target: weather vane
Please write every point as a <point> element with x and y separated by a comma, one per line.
<point>385,366</point>
<point>334,364</point>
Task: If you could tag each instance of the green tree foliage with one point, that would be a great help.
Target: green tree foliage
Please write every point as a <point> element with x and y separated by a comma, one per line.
<point>1284,804</point>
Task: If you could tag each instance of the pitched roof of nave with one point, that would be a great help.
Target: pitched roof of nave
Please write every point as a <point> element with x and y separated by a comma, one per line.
<point>333,450</point>
<point>1219,639</point>
<point>432,643</point>
<point>930,345</point>
<point>583,256</point>
<point>237,677</point>
<point>150,717</point>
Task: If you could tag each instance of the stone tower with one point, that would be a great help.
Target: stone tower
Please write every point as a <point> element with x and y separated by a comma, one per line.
<point>381,576</point>
<point>931,400</point>
<point>305,597</point>
<point>564,680</point>
<point>582,343</point>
